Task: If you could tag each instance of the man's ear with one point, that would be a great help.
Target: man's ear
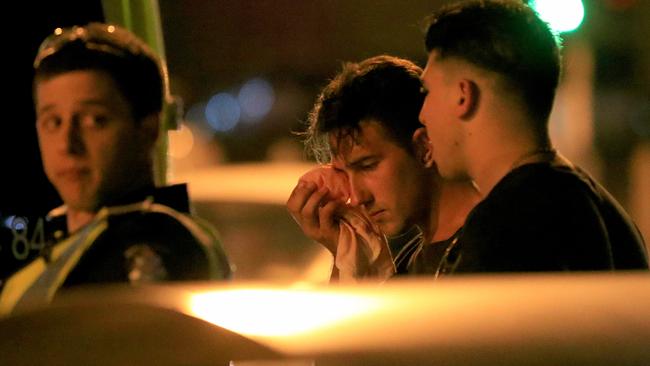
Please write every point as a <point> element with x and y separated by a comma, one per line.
<point>422,147</point>
<point>150,128</point>
<point>467,98</point>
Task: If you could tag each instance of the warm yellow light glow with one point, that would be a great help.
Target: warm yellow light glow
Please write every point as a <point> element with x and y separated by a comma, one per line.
<point>242,182</point>
<point>181,142</point>
<point>277,312</point>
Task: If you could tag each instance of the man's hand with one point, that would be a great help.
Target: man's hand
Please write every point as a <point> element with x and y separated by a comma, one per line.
<point>314,211</point>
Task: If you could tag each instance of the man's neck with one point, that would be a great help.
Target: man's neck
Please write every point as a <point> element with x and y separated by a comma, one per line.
<point>503,138</point>
<point>76,219</point>
<point>451,201</point>
<point>457,199</point>
<point>500,135</point>
<point>500,163</point>
<point>428,218</point>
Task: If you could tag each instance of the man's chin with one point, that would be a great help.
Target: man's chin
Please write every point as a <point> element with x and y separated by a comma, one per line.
<point>389,230</point>
<point>77,203</point>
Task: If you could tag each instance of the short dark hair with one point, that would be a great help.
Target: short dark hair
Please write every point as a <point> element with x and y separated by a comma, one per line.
<point>134,67</point>
<point>384,88</point>
<point>506,37</point>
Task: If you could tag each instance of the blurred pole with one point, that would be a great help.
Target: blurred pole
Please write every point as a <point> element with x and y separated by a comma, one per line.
<point>142,17</point>
<point>640,190</point>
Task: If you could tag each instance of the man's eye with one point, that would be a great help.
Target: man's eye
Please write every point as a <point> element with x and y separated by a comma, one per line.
<point>49,123</point>
<point>94,120</point>
<point>368,166</point>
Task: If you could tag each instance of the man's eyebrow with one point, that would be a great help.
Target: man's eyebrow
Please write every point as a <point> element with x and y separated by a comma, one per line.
<point>45,108</point>
<point>102,102</point>
<point>359,161</point>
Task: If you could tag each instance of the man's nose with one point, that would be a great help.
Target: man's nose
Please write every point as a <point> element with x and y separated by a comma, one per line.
<point>359,195</point>
<point>73,142</point>
<point>421,116</point>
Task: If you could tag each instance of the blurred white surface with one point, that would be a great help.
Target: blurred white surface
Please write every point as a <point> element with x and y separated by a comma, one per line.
<point>551,319</point>
<point>246,203</point>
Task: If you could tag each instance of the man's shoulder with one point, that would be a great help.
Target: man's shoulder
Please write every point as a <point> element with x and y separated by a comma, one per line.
<point>545,180</point>
<point>148,218</point>
<point>174,196</point>
<point>539,190</point>
<point>546,217</point>
<point>179,239</point>
<point>532,203</point>
<point>163,213</point>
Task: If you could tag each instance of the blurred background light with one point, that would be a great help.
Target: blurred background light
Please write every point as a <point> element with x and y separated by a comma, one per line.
<point>256,99</point>
<point>196,114</point>
<point>285,312</point>
<point>223,112</point>
<point>562,16</point>
<point>181,142</point>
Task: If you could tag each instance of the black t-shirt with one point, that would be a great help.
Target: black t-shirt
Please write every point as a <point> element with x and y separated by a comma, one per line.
<point>433,258</point>
<point>414,257</point>
<point>403,247</point>
<point>546,217</point>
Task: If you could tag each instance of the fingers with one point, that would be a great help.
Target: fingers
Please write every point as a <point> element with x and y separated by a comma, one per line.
<point>326,213</point>
<point>328,224</point>
<point>303,204</point>
<point>313,210</point>
<point>298,198</point>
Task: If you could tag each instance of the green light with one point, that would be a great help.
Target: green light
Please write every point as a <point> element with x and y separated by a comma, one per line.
<point>561,15</point>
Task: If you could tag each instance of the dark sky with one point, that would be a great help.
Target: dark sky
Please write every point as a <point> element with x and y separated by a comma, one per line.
<point>25,189</point>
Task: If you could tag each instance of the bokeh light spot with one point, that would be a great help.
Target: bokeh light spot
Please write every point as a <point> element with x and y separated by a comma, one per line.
<point>256,99</point>
<point>222,112</point>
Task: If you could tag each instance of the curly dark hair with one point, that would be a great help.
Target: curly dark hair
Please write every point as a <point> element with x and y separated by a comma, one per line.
<point>384,88</point>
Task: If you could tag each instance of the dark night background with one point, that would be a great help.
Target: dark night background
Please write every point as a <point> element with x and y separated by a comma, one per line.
<point>24,190</point>
<point>215,46</point>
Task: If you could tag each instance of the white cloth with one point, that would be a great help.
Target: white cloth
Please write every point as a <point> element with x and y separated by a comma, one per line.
<point>362,249</point>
